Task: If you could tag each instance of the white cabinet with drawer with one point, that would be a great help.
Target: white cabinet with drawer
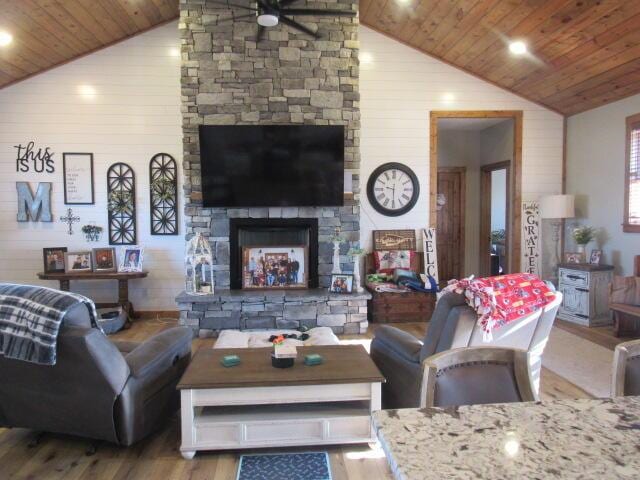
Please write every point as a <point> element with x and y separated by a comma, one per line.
<point>585,290</point>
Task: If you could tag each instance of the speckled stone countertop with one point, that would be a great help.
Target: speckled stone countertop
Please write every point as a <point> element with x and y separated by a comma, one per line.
<point>565,439</point>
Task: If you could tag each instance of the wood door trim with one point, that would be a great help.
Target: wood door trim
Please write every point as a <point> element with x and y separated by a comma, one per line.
<point>463,203</point>
<point>485,213</point>
<point>516,170</point>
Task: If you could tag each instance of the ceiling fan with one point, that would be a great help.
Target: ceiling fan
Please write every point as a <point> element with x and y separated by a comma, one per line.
<point>269,13</point>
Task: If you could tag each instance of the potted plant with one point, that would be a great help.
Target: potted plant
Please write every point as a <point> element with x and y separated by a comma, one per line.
<point>582,236</point>
<point>92,232</point>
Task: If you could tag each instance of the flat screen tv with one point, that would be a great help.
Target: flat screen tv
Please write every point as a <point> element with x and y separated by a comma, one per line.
<point>272,165</point>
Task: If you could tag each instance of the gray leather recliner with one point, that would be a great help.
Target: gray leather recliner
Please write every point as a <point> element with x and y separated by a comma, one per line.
<point>400,356</point>
<point>114,391</point>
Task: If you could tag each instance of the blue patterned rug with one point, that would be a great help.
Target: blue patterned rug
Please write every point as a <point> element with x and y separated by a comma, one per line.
<point>285,466</point>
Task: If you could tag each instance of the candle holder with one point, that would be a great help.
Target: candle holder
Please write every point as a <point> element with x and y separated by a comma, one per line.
<point>198,266</point>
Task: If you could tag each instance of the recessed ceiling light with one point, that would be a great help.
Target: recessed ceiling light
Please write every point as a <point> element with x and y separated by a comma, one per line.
<point>518,47</point>
<point>5,38</point>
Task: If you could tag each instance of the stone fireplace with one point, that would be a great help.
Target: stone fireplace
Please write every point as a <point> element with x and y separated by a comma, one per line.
<point>289,77</point>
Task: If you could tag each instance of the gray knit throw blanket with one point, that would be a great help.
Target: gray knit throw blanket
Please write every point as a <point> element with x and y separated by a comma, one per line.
<point>30,319</point>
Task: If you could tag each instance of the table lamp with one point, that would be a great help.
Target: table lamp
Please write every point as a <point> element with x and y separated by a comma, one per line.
<point>556,208</point>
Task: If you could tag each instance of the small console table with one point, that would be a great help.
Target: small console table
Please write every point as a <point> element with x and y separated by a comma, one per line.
<point>123,285</point>
<point>585,291</point>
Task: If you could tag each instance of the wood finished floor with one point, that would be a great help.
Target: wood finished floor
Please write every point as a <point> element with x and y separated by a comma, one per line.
<point>63,457</point>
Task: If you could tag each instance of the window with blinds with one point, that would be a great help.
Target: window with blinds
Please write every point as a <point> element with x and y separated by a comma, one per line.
<point>632,181</point>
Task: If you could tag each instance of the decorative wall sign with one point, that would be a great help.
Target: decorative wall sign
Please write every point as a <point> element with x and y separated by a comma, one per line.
<point>163,192</point>
<point>430,253</point>
<point>37,208</point>
<point>121,191</point>
<point>70,219</point>
<point>78,178</point>
<point>531,237</point>
<point>394,239</point>
<point>40,161</point>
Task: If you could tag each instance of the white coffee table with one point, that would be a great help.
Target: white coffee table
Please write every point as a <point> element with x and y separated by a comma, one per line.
<point>255,405</point>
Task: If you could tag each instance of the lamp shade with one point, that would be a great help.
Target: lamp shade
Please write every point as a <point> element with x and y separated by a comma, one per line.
<point>557,206</point>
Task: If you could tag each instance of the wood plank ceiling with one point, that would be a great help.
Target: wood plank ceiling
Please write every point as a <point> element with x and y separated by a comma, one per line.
<point>583,53</point>
<point>47,33</point>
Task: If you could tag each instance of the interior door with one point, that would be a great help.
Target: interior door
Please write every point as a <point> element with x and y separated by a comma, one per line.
<point>450,225</point>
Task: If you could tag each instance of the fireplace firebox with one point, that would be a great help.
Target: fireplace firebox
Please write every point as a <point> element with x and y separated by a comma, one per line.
<point>273,232</point>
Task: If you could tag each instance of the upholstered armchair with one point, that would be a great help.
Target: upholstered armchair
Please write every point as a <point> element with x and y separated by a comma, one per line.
<point>477,375</point>
<point>99,389</point>
<point>401,357</point>
<point>626,369</point>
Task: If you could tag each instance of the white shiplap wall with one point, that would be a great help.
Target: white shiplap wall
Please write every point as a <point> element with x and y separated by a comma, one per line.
<point>399,86</point>
<point>134,114</point>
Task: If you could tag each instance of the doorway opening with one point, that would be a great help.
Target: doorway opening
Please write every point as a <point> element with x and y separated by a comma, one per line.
<point>476,162</point>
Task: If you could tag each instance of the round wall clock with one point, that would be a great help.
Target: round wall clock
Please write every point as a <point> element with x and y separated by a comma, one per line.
<point>393,189</point>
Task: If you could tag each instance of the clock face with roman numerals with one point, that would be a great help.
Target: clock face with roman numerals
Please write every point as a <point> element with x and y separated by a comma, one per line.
<point>393,189</point>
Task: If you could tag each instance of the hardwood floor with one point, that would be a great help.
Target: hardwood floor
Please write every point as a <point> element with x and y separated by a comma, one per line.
<point>157,457</point>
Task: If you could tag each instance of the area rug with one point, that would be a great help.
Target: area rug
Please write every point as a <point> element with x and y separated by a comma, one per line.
<point>290,466</point>
<point>581,362</point>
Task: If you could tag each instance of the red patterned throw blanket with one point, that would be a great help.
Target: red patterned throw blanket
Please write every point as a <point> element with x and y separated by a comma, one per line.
<point>500,300</point>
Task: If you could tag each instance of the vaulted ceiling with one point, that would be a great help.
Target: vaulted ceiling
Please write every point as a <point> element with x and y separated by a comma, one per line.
<point>582,53</point>
<point>51,32</point>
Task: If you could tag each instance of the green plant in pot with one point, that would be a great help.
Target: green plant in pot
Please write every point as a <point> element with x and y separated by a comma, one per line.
<point>120,202</point>
<point>582,236</point>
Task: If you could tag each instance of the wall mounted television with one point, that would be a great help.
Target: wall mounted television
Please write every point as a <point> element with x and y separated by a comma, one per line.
<point>272,165</point>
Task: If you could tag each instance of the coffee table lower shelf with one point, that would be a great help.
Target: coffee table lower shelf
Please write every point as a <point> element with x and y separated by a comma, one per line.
<point>266,417</point>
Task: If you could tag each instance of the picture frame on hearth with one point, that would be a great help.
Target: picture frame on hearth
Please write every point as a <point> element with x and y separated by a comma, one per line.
<point>341,283</point>
<point>275,267</point>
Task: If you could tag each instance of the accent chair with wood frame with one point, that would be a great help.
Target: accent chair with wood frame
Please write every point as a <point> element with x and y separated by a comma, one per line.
<point>476,375</point>
<point>626,369</point>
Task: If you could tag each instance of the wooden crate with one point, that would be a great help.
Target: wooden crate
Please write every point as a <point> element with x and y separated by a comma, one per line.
<point>386,307</point>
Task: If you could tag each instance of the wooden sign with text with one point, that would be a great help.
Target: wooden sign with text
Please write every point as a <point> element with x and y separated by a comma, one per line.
<point>430,252</point>
<point>531,237</point>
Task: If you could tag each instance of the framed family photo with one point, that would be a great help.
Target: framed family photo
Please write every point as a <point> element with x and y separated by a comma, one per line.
<point>274,267</point>
<point>104,259</point>
<point>596,255</point>
<point>573,257</point>
<point>54,259</point>
<point>131,259</point>
<point>77,262</point>
<point>341,283</point>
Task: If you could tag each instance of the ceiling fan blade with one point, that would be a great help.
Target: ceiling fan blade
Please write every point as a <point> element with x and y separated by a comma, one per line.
<point>234,18</point>
<point>223,3</point>
<point>260,35</point>
<point>284,3</point>
<point>299,26</point>
<point>319,13</point>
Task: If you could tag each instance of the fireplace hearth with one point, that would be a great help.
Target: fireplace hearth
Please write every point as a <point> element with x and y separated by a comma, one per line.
<point>288,233</point>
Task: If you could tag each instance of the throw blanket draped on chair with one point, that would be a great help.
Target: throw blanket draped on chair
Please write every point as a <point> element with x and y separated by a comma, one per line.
<point>30,319</point>
<point>500,300</point>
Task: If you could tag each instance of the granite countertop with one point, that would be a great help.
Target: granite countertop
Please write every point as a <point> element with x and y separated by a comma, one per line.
<point>567,439</point>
